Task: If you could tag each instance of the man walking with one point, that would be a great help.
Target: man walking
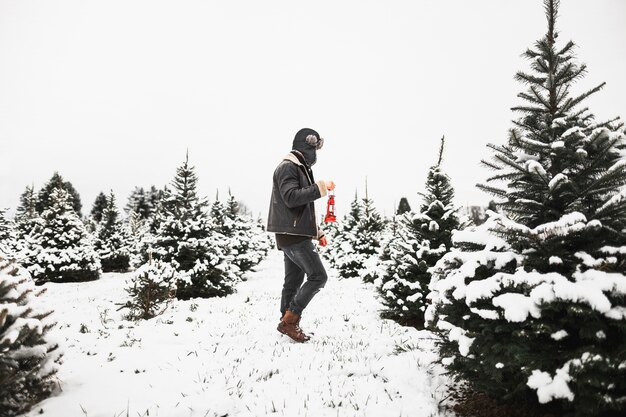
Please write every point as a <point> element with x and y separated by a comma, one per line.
<point>292,217</point>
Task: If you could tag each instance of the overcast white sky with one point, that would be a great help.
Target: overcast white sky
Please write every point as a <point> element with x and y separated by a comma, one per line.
<point>112,93</point>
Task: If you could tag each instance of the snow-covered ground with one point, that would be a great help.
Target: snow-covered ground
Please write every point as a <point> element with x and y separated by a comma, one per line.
<point>224,357</point>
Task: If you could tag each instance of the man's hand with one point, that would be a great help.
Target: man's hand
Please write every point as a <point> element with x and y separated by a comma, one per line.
<point>330,185</point>
<point>323,241</point>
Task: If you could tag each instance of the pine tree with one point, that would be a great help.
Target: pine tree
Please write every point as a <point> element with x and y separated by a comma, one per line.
<point>339,232</point>
<point>140,240</point>
<point>112,239</point>
<point>422,240</point>
<point>532,305</point>
<point>222,223</point>
<point>248,240</point>
<point>154,196</point>
<point>404,206</point>
<point>5,225</point>
<point>26,219</point>
<point>232,206</point>
<point>332,231</point>
<point>28,204</point>
<point>8,238</point>
<point>98,207</point>
<point>157,202</point>
<point>186,239</point>
<point>362,244</point>
<point>262,241</point>
<point>43,201</point>
<point>354,216</point>
<point>140,203</point>
<point>151,289</point>
<point>59,248</point>
<point>28,362</point>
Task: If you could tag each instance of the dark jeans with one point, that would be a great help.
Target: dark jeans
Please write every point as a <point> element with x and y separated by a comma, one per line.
<point>301,258</point>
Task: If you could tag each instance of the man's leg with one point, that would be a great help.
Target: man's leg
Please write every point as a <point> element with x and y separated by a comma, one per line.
<point>294,276</point>
<point>308,260</point>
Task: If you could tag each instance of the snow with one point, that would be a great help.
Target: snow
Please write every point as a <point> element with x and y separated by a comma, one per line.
<point>576,130</point>
<point>223,356</point>
<point>613,250</point>
<point>480,236</point>
<point>581,153</point>
<point>561,334</point>
<point>618,198</point>
<point>555,260</point>
<point>619,165</point>
<point>557,180</point>
<point>588,287</point>
<point>589,260</point>
<point>549,388</point>
<point>21,323</point>
<point>536,168</point>
<point>456,334</point>
<point>558,122</point>
<point>558,144</point>
<point>521,156</point>
<point>516,307</point>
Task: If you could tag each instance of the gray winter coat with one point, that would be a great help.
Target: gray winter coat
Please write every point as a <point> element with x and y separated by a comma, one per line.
<point>292,209</point>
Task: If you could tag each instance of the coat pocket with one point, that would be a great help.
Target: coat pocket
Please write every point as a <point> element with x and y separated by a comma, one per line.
<point>298,217</point>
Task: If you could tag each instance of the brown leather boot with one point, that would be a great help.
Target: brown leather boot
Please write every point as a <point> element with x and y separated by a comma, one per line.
<point>289,325</point>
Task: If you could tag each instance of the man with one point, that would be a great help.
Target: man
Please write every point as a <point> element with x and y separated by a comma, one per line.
<point>292,217</point>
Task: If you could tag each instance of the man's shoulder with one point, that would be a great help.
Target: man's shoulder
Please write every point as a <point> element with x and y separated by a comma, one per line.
<point>286,166</point>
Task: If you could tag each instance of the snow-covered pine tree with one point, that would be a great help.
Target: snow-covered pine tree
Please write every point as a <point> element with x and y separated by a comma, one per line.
<point>404,206</point>
<point>375,269</point>
<point>154,196</point>
<point>59,248</point>
<point>248,250</point>
<point>28,358</point>
<point>26,212</point>
<point>44,197</point>
<point>361,245</point>
<point>332,231</point>
<point>354,215</point>
<point>157,202</point>
<point>28,204</point>
<point>152,287</point>
<point>537,310</point>
<point>138,203</point>
<point>186,239</point>
<point>262,241</point>
<point>25,219</point>
<point>5,225</point>
<point>8,238</point>
<point>98,207</point>
<point>338,233</point>
<point>233,241</point>
<point>140,240</point>
<point>422,240</point>
<point>232,206</point>
<point>221,222</point>
<point>112,239</point>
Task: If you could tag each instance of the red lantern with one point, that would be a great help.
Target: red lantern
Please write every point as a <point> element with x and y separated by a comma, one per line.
<point>330,208</point>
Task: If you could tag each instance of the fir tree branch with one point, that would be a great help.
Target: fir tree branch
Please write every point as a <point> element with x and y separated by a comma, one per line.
<point>574,101</point>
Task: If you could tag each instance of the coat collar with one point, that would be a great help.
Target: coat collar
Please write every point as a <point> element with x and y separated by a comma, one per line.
<point>292,158</point>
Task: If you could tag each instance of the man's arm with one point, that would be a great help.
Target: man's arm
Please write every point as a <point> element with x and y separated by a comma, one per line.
<point>290,190</point>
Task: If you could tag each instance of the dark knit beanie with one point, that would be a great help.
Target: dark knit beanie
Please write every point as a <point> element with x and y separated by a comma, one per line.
<point>308,141</point>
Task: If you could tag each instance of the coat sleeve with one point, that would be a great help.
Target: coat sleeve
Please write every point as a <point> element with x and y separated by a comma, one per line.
<point>286,177</point>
